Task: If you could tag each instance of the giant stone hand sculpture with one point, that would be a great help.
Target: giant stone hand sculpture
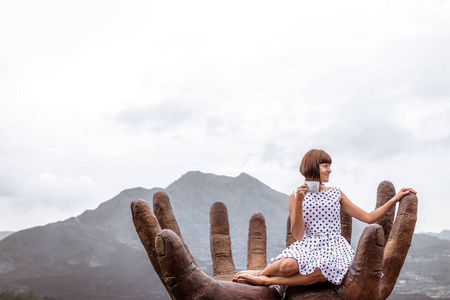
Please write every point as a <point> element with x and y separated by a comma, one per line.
<point>373,273</point>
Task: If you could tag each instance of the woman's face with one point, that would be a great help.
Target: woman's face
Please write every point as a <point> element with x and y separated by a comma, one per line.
<point>325,170</point>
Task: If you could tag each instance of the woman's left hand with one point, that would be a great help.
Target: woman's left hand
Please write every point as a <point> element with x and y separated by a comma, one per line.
<point>403,192</point>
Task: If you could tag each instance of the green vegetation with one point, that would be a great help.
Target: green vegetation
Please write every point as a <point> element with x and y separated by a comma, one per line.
<point>22,296</point>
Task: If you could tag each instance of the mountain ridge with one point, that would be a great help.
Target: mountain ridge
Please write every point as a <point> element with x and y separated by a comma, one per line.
<point>4,234</point>
<point>97,254</point>
<point>69,258</point>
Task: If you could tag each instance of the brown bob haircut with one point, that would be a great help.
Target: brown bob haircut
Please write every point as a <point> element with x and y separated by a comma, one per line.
<point>309,167</point>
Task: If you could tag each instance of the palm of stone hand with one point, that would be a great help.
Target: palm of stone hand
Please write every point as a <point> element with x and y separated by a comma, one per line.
<point>373,273</point>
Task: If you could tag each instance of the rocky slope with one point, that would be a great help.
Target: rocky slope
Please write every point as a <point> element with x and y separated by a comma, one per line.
<point>98,255</point>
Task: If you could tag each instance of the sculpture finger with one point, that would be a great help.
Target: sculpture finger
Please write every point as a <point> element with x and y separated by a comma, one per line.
<point>257,243</point>
<point>164,213</point>
<point>187,281</point>
<point>346,226</point>
<point>364,276</point>
<point>220,243</point>
<point>399,242</point>
<point>385,192</point>
<point>289,237</point>
<point>147,227</point>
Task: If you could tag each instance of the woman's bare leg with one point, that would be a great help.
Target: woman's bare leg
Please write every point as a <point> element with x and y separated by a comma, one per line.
<point>282,267</point>
<point>250,272</point>
<point>296,279</point>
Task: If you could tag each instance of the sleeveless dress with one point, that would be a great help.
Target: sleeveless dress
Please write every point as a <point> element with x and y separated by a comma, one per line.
<point>322,245</point>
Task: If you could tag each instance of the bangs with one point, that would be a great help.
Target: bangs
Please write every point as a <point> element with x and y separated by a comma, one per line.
<point>324,158</point>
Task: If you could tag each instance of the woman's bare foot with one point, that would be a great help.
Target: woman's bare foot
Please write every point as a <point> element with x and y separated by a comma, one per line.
<point>250,272</point>
<point>251,279</point>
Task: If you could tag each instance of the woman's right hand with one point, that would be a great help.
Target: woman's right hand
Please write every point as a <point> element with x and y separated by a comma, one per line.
<point>301,192</point>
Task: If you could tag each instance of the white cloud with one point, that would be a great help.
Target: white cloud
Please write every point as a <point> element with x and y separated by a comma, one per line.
<point>63,194</point>
<point>47,198</point>
<point>138,93</point>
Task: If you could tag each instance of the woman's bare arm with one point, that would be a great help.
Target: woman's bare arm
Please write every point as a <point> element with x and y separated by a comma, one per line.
<point>369,217</point>
<point>296,212</point>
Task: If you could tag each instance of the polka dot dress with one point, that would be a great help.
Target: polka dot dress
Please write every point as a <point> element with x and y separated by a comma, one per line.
<point>322,245</point>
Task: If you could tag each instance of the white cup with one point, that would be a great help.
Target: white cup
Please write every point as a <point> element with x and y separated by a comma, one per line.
<point>313,186</point>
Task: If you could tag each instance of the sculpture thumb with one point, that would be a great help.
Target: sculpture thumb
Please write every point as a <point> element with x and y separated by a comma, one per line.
<point>147,227</point>
<point>364,276</point>
<point>185,280</point>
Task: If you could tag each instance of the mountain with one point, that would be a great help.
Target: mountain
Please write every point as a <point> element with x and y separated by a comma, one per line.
<point>98,255</point>
<point>443,235</point>
<point>244,195</point>
<point>426,269</point>
<point>4,234</point>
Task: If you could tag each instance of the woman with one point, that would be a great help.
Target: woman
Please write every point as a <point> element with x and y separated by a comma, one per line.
<point>320,253</point>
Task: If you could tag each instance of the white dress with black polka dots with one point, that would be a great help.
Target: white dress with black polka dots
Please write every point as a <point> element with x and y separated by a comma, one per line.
<point>322,245</point>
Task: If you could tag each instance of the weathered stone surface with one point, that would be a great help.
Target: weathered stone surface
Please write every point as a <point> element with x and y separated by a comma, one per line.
<point>385,192</point>
<point>398,243</point>
<point>289,237</point>
<point>257,243</point>
<point>373,273</point>
<point>220,242</point>
<point>346,226</point>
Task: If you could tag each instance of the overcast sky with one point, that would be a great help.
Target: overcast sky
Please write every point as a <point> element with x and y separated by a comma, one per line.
<point>101,96</point>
